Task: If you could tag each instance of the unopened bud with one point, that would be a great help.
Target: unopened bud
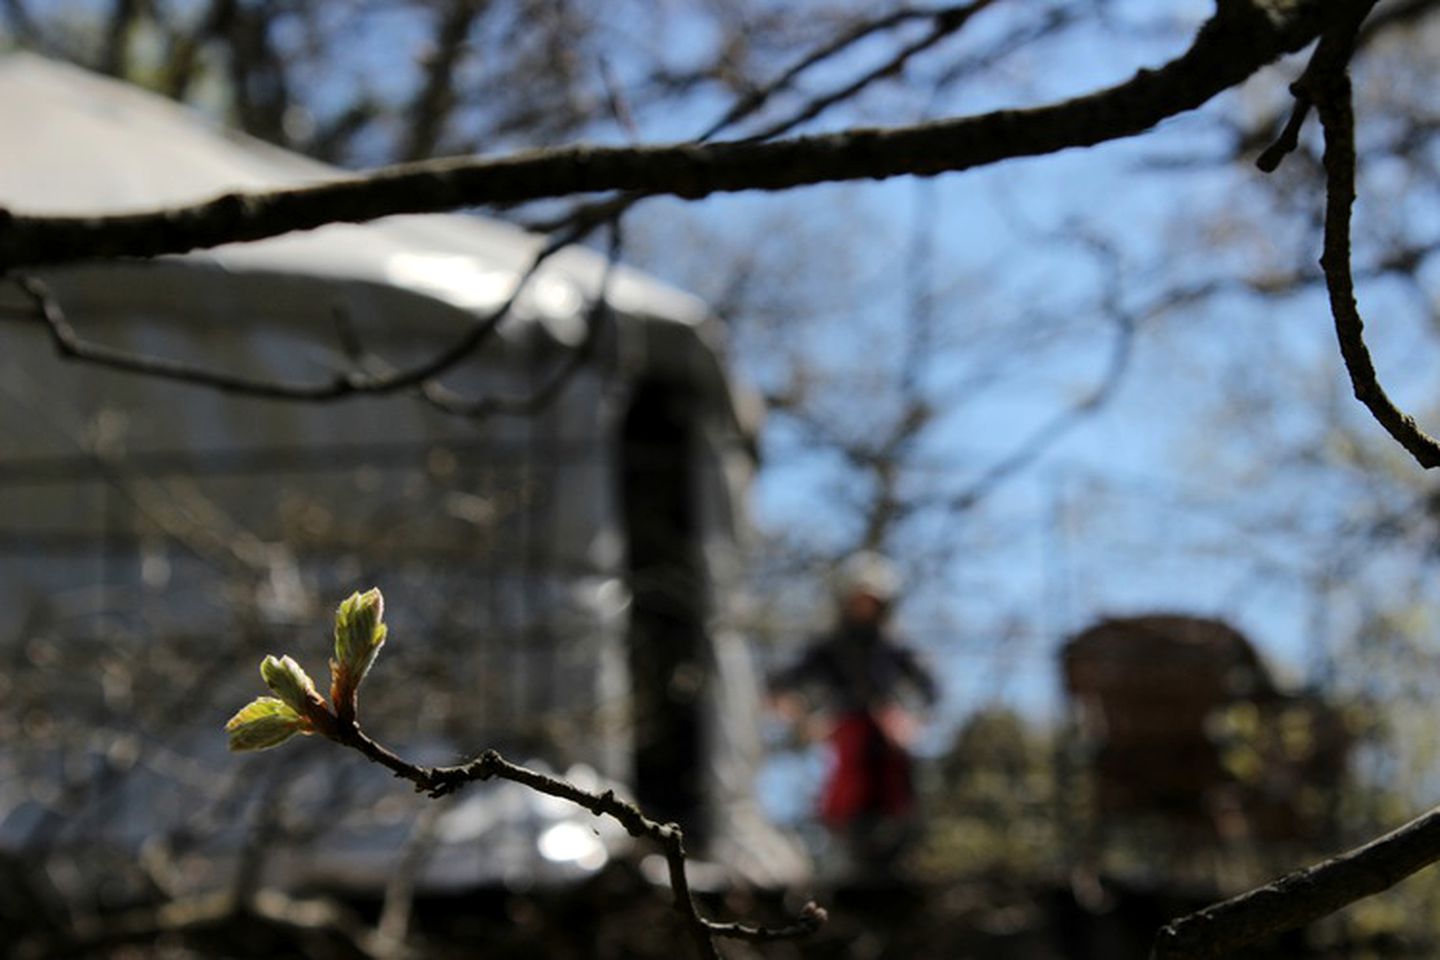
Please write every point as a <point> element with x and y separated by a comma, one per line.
<point>288,680</point>
<point>359,635</point>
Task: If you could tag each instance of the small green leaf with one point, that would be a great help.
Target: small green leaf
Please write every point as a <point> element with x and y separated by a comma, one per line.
<point>289,681</point>
<point>359,635</point>
<point>264,723</point>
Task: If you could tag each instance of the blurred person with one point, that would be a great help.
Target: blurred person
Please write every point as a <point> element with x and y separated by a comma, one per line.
<point>858,687</point>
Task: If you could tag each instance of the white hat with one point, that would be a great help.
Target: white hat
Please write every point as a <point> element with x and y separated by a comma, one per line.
<point>867,572</point>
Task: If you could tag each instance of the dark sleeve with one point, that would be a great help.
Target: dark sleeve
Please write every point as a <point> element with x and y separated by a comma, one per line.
<point>913,668</point>
<point>809,668</point>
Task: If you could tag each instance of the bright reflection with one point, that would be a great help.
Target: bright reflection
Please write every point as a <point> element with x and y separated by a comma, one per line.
<point>572,843</point>
<point>460,280</point>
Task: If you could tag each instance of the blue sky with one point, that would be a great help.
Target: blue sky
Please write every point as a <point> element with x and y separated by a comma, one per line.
<point>1163,501</point>
<point>1159,501</point>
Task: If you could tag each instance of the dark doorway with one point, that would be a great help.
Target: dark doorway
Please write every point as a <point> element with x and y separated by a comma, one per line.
<point>667,665</point>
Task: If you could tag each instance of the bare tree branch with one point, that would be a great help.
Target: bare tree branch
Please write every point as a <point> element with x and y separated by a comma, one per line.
<point>1303,896</point>
<point>1243,36</point>
<point>945,23</point>
<point>948,19</point>
<point>1402,13</point>
<point>1306,895</point>
<point>1270,158</point>
<point>183,58</point>
<point>1330,90</point>
<point>114,57</point>
<point>441,781</point>
<point>1059,425</point>
<point>552,386</point>
<point>436,99</point>
<point>22,22</point>
<point>837,45</point>
<point>398,904</point>
<point>355,382</point>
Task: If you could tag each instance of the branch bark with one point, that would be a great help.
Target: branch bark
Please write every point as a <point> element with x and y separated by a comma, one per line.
<point>1332,97</point>
<point>1242,37</point>
<point>1314,892</point>
<point>1303,896</point>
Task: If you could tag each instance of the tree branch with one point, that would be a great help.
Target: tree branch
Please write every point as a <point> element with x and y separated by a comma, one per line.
<point>68,343</point>
<point>1314,892</point>
<point>441,781</point>
<point>541,396</point>
<point>1303,896</point>
<point>945,22</point>
<point>435,101</point>
<point>1329,89</point>
<point>1033,445</point>
<point>757,98</point>
<point>298,707</point>
<point>1243,36</point>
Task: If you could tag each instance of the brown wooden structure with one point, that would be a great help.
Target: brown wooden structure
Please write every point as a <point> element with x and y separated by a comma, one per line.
<point>1184,723</point>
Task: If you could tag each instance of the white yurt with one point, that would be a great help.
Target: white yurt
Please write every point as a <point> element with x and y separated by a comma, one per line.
<point>559,585</point>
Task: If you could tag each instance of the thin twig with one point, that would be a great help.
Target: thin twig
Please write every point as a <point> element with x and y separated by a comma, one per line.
<point>1329,55</point>
<point>947,19</point>
<point>946,22</point>
<point>1289,138</point>
<point>812,917</point>
<point>756,99</point>
<point>398,903</point>
<point>1325,85</point>
<point>68,343</point>
<point>531,403</point>
<point>1059,425</point>
<point>442,781</point>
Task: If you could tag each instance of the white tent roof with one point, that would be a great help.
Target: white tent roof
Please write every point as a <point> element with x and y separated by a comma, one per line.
<point>77,143</point>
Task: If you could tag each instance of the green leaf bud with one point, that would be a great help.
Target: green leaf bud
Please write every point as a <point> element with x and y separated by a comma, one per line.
<point>264,723</point>
<point>288,681</point>
<point>359,635</point>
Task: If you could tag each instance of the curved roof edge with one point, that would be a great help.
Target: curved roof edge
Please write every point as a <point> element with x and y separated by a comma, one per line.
<point>79,143</point>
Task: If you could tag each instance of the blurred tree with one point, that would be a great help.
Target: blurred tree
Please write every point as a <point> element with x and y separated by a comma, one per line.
<point>994,803</point>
